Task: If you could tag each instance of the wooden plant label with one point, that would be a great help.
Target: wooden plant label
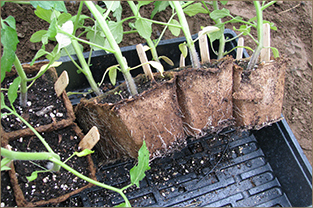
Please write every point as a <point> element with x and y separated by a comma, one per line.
<point>204,48</point>
<point>143,59</point>
<point>240,50</point>
<point>266,51</point>
<point>182,60</point>
<point>90,140</point>
<point>61,83</point>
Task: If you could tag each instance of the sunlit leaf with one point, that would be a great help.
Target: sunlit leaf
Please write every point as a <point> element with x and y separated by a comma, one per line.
<point>208,29</point>
<point>157,65</point>
<point>194,9</point>
<point>275,52</point>
<point>12,91</point>
<point>83,153</point>
<point>219,14</point>
<point>11,22</point>
<point>174,30</point>
<point>137,173</point>
<point>113,75</point>
<point>63,18</point>
<point>144,28</point>
<point>113,4</point>
<point>183,49</point>
<point>54,64</point>
<point>44,14</point>
<point>218,34</point>
<point>63,39</point>
<point>4,168</point>
<point>116,29</point>
<point>48,5</point>
<point>37,36</point>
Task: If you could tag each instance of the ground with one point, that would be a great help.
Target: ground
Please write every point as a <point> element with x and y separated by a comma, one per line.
<point>293,39</point>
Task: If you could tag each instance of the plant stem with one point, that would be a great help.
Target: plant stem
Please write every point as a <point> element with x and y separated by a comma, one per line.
<point>15,155</point>
<point>23,86</point>
<point>255,55</point>
<point>222,38</point>
<point>268,4</point>
<point>85,68</point>
<point>184,24</point>
<point>63,165</point>
<point>116,50</point>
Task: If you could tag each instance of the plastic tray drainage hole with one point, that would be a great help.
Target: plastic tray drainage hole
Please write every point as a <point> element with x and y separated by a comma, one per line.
<point>181,189</point>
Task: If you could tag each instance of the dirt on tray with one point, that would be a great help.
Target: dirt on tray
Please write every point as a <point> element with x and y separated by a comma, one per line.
<point>293,39</point>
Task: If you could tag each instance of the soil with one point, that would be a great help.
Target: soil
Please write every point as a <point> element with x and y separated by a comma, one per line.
<point>50,185</point>
<point>293,39</point>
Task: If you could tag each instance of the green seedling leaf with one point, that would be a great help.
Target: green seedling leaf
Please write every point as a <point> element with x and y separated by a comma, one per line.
<point>121,205</point>
<point>84,153</point>
<point>174,30</point>
<point>48,5</point>
<point>70,49</point>
<point>137,173</point>
<point>219,14</point>
<point>37,36</point>
<point>41,52</point>
<point>12,91</point>
<point>32,177</point>
<point>44,14</point>
<point>118,13</point>
<point>96,38</point>
<point>11,22</point>
<point>2,101</point>
<point>194,9</point>
<point>244,29</point>
<point>113,75</point>
<point>218,34</point>
<point>223,2</point>
<point>2,3</point>
<point>117,30</point>
<point>275,52</point>
<point>63,18</point>
<point>159,6</point>
<point>167,60</point>
<point>4,163</point>
<point>272,25</point>
<point>183,49</point>
<point>115,5</point>
<point>52,30</point>
<point>5,168</point>
<point>54,64</point>
<point>144,28</point>
<point>143,3</point>
<point>63,39</point>
<point>157,65</point>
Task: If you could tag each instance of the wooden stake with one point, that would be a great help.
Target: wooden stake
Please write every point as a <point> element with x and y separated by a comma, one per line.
<point>90,140</point>
<point>204,49</point>
<point>266,52</point>
<point>182,61</point>
<point>61,83</point>
<point>240,50</point>
<point>143,59</point>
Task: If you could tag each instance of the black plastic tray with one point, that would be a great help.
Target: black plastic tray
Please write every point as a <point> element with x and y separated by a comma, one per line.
<point>256,168</point>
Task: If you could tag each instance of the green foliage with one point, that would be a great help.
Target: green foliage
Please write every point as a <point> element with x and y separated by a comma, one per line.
<point>57,5</point>
<point>194,9</point>
<point>183,49</point>
<point>144,28</point>
<point>159,6</point>
<point>174,30</point>
<point>12,92</point>
<point>137,173</point>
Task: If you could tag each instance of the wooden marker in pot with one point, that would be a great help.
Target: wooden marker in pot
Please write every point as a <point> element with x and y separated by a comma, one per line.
<point>143,59</point>
<point>204,48</point>
<point>266,52</point>
<point>240,50</point>
<point>90,140</point>
<point>61,83</point>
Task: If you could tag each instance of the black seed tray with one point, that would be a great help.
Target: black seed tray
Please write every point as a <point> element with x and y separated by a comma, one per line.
<point>234,169</point>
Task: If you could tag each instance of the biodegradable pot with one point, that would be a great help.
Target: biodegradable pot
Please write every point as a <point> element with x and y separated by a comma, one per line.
<point>68,181</point>
<point>258,93</point>
<point>153,116</point>
<point>50,76</point>
<point>205,97</point>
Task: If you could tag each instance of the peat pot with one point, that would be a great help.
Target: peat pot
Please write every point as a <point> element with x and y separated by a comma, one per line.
<point>264,167</point>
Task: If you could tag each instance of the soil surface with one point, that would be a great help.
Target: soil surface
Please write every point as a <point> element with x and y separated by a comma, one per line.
<point>293,39</point>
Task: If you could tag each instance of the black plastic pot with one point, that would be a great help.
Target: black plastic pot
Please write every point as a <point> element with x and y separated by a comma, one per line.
<point>256,168</point>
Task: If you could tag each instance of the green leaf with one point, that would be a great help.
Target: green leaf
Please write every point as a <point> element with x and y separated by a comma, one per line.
<point>167,60</point>
<point>7,60</point>
<point>143,3</point>
<point>144,28</point>
<point>64,17</point>
<point>235,19</point>
<point>95,38</point>
<point>32,177</point>
<point>43,14</point>
<point>223,2</point>
<point>71,50</point>
<point>118,13</point>
<point>12,91</point>
<point>83,153</point>
<point>243,29</point>
<point>52,30</point>
<point>41,52</point>
<point>208,30</point>
<point>174,30</point>
<point>4,163</point>
<point>63,39</point>
<point>2,3</point>
<point>159,6</point>
<point>194,9</point>
<point>11,22</point>
<point>117,30</point>
<point>121,205</point>
<point>37,36</point>
<point>157,65</point>
<point>272,25</point>
<point>115,5</point>
<point>218,34</point>
<point>113,75</point>
<point>5,168</point>
<point>275,52</point>
<point>219,14</point>
<point>137,173</point>
<point>183,49</point>
<point>49,5</point>
<point>2,100</point>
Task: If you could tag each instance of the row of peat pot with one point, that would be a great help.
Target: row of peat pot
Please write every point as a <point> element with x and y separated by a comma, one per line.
<point>185,102</point>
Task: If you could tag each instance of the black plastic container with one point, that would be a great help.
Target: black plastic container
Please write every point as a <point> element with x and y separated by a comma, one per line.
<point>256,168</point>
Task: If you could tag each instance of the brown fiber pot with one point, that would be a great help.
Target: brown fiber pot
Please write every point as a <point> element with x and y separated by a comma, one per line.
<point>205,97</point>
<point>51,76</point>
<point>17,180</point>
<point>153,116</point>
<point>258,94</point>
